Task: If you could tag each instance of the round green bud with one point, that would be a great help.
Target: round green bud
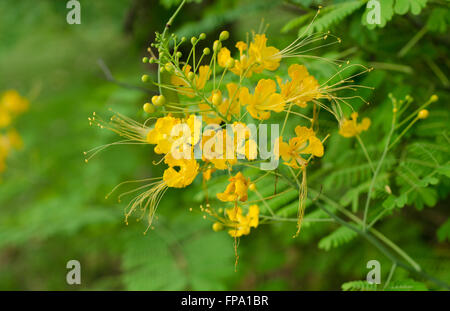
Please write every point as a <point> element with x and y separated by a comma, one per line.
<point>179,54</point>
<point>145,60</point>
<point>193,40</point>
<point>145,78</point>
<point>168,67</point>
<point>224,35</point>
<point>206,51</point>
<point>190,76</point>
<point>161,70</point>
<point>149,108</point>
<point>183,39</point>
<point>160,100</point>
<point>152,60</point>
<point>202,36</point>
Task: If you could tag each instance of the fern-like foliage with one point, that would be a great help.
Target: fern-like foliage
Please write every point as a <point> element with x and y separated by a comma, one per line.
<point>337,238</point>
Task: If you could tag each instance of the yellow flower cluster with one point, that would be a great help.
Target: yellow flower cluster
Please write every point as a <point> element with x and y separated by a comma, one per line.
<point>201,86</point>
<point>11,106</point>
<point>253,60</point>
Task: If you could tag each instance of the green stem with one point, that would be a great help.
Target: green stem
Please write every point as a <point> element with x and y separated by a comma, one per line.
<point>391,273</point>
<point>163,36</point>
<point>363,147</point>
<point>377,171</point>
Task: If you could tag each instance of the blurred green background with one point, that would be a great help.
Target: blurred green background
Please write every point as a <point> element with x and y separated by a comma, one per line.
<point>52,205</point>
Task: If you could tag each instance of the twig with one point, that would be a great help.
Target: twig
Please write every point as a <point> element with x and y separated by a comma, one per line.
<point>109,77</point>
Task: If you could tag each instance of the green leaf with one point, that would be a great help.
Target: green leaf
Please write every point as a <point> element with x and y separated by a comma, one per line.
<point>443,232</point>
<point>404,6</point>
<point>438,20</point>
<point>337,238</point>
<point>169,259</point>
<point>358,286</point>
<point>386,13</point>
<point>330,16</point>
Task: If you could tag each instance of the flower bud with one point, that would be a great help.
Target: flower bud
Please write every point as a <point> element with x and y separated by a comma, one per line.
<point>145,78</point>
<point>433,98</point>
<point>217,99</point>
<point>179,54</point>
<point>168,67</point>
<point>159,100</point>
<point>190,76</point>
<point>193,40</point>
<point>145,60</point>
<point>224,35</point>
<point>217,45</point>
<point>217,226</point>
<point>206,51</point>
<point>149,108</point>
<point>202,36</point>
<point>423,114</point>
<point>230,63</point>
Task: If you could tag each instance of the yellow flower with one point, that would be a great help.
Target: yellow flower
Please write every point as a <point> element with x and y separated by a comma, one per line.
<point>241,141</point>
<point>263,100</point>
<point>236,190</point>
<point>258,57</point>
<point>350,128</point>
<point>241,224</point>
<point>265,56</point>
<point>5,118</point>
<point>207,173</point>
<point>223,56</point>
<point>12,102</point>
<point>230,106</point>
<point>15,140</point>
<point>301,89</point>
<point>180,173</point>
<point>304,143</point>
<point>199,80</point>
<point>161,134</point>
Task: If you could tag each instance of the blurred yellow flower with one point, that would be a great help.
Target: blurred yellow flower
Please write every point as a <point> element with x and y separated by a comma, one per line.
<point>13,103</point>
<point>350,128</point>
<point>264,99</point>
<point>305,142</point>
<point>241,224</point>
